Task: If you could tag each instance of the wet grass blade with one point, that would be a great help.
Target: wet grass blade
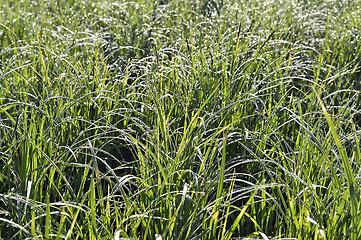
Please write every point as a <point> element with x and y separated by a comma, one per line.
<point>348,172</point>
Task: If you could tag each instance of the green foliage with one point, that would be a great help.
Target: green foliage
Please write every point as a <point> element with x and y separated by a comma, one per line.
<point>213,119</point>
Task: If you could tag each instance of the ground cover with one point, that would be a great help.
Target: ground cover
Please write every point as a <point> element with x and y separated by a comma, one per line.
<point>213,119</point>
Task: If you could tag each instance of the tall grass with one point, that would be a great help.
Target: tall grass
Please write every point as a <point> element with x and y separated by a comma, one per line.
<point>179,119</point>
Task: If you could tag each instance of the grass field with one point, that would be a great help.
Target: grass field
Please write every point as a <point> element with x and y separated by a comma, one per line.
<point>208,119</point>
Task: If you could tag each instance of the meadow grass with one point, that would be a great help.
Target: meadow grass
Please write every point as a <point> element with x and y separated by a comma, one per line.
<point>212,119</point>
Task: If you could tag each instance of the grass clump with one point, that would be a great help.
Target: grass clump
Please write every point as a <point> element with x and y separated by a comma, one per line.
<point>179,119</point>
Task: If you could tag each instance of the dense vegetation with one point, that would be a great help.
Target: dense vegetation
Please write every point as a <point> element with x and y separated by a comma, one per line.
<point>209,119</point>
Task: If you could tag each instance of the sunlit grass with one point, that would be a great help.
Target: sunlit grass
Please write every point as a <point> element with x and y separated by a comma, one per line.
<point>179,119</point>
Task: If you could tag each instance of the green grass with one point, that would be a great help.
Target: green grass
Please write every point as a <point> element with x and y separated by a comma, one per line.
<point>212,119</point>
